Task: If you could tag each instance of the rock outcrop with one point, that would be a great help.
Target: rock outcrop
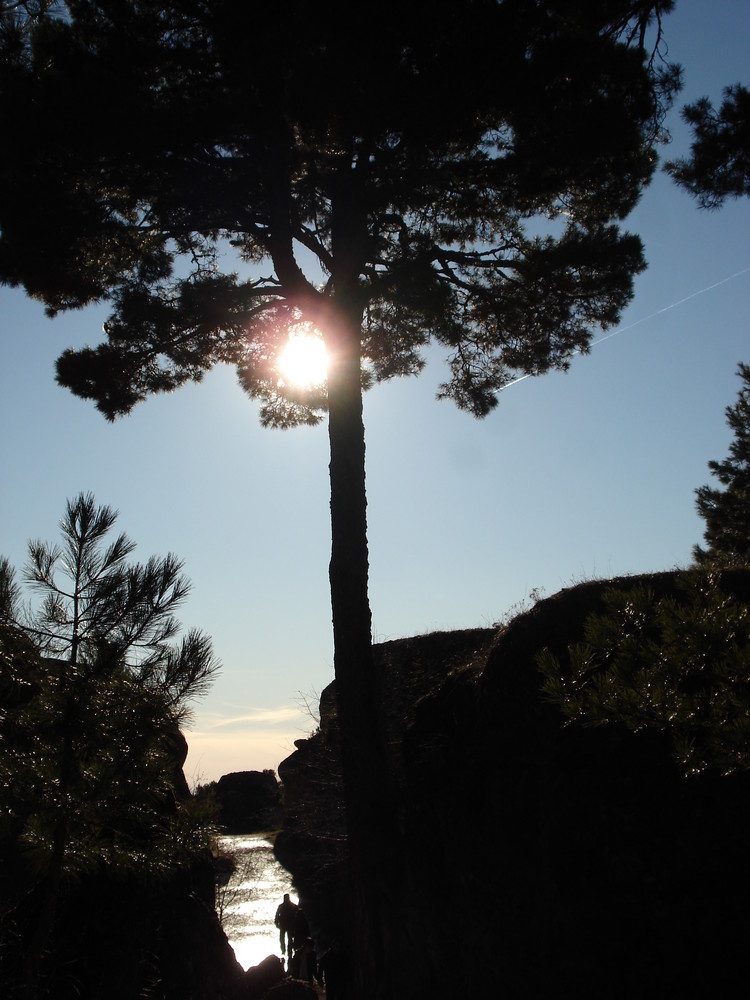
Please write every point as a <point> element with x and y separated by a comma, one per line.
<point>122,938</point>
<point>538,856</point>
<point>248,801</point>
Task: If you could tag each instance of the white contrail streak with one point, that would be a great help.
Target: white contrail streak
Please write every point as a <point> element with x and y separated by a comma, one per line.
<point>645,319</point>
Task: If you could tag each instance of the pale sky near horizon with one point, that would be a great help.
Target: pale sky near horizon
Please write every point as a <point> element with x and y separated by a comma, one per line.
<point>585,474</point>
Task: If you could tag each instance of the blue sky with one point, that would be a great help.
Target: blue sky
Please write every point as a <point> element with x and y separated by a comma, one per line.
<point>579,475</point>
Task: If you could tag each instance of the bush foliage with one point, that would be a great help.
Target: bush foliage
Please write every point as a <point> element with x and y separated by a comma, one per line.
<point>677,664</point>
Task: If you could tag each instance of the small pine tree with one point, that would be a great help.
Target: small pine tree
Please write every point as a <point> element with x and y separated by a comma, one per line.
<point>726,510</point>
<point>92,692</point>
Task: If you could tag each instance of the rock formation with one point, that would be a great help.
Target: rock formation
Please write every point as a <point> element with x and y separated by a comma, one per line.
<point>248,801</point>
<point>537,856</point>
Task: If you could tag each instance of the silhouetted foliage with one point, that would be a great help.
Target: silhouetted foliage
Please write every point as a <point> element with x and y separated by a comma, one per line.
<point>726,511</point>
<point>92,695</point>
<point>455,173</point>
<point>719,163</point>
<point>676,664</point>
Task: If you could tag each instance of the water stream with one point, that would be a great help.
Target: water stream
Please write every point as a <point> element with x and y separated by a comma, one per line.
<point>247,903</point>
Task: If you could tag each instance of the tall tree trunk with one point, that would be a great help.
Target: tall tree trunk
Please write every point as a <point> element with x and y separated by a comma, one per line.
<point>369,805</point>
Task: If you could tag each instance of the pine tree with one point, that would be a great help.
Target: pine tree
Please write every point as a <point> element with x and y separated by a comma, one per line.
<point>456,173</point>
<point>719,163</point>
<point>92,691</point>
<point>726,510</point>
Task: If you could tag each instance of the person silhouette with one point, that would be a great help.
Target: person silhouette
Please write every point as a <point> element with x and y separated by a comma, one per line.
<point>300,928</point>
<point>286,913</point>
<point>308,961</point>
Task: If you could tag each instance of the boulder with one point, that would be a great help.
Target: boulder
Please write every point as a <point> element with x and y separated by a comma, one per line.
<point>248,801</point>
<point>260,978</point>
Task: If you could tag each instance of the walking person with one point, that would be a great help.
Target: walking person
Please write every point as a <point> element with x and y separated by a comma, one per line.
<point>286,914</point>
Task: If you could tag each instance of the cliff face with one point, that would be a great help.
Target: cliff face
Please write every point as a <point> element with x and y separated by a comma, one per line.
<point>312,842</point>
<point>535,854</point>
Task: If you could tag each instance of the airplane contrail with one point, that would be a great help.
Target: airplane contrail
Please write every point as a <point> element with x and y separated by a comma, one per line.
<point>644,319</point>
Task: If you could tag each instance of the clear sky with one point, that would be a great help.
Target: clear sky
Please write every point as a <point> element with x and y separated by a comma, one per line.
<point>579,475</point>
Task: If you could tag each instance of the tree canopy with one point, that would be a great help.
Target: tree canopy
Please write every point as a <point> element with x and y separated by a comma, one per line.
<point>96,606</point>
<point>407,158</point>
<point>719,163</point>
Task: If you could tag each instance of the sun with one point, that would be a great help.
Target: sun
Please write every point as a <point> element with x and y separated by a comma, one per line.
<point>304,362</point>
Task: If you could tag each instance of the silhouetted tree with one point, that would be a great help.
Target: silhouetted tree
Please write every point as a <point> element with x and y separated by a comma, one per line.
<point>92,694</point>
<point>719,163</point>
<point>677,665</point>
<point>726,510</point>
<point>439,171</point>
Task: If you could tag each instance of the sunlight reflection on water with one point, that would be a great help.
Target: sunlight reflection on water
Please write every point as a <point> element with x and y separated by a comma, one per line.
<point>247,904</point>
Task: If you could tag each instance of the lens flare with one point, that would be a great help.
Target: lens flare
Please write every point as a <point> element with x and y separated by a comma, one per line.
<point>304,362</point>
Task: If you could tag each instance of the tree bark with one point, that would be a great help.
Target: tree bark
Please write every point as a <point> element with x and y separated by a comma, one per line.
<point>369,806</point>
